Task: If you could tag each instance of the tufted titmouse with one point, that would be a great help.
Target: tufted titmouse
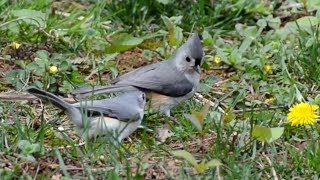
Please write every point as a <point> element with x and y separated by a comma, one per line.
<point>166,83</point>
<point>119,116</point>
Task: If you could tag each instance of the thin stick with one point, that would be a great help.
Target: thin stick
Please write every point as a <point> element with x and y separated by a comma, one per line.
<point>16,97</point>
<point>95,71</point>
<point>274,174</point>
<point>203,100</point>
<point>257,109</point>
<point>24,97</point>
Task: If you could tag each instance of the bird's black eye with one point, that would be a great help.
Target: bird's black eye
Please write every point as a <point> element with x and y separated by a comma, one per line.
<point>143,96</point>
<point>188,59</point>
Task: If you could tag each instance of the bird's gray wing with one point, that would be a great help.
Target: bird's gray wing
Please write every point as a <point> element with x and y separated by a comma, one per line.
<point>139,71</point>
<point>162,78</point>
<point>114,110</point>
<point>85,91</point>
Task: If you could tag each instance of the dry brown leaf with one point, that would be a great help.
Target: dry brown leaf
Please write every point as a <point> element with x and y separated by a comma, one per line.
<point>163,134</point>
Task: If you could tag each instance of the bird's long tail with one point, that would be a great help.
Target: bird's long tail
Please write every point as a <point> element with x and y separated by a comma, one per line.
<point>55,100</point>
<point>84,92</point>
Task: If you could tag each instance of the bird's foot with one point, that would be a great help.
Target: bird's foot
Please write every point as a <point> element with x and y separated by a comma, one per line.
<point>175,121</point>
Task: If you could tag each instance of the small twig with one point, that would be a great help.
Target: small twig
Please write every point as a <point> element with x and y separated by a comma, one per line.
<point>37,171</point>
<point>65,14</point>
<point>95,71</point>
<point>289,6</point>
<point>218,173</point>
<point>163,169</point>
<point>26,82</point>
<point>16,97</point>
<point>104,169</point>
<point>256,109</point>
<point>203,100</point>
<point>24,97</point>
<point>220,68</point>
<point>274,174</point>
<point>221,82</point>
<point>262,167</point>
<point>67,147</point>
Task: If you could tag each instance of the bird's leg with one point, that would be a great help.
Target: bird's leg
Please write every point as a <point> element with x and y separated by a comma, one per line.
<point>176,122</point>
<point>145,128</point>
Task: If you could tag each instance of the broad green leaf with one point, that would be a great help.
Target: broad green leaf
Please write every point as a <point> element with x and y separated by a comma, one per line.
<point>303,23</point>
<point>299,96</point>
<point>207,38</point>
<point>313,5</point>
<point>247,31</point>
<point>317,99</point>
<point>76,77</point>
<point>201,167</point>
<point>2,2</point>
<point>318,13</point>
<point>38,84</point>
<point>262,23</point>
<point>194,120</point>
<point>213,163</point>
<point>155,34</point>
<point>186,156</point>
<point>311,41</point>
<point>66,87</point>
<point>32,66</point>
<point>274,22</point>
<point>42,54</point>
<point>205,110</point>
<point>276,133</point>
<point>207,83</point>
<point>32,148</point>
<point>27,157</point>
<point>177,37</point>
<point>265,134</point>
<point>167,22</point>
<point>64,65</point>
<point>34,17</point>
<point>176,19</point>
<point>147,54</point>
<point>245,44</point>
<point>199,116</point>
<point>175,32</point>
<point>23,143</point>
<point>228,117</point>
<point>123,44</point>
<point>262,133</point>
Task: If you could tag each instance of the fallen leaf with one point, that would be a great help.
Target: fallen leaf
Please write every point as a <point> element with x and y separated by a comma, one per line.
<point>56,176</point>
<point>79,60</point>
<point>163,134</point>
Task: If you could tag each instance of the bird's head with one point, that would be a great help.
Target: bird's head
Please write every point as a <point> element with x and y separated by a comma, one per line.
<point>189,56</point>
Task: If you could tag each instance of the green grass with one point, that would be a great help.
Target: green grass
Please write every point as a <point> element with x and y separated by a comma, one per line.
<point>91,38</point>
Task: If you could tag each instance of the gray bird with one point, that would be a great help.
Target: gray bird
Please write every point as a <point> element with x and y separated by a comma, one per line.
<point>166,83</point>
<point>119,116</point>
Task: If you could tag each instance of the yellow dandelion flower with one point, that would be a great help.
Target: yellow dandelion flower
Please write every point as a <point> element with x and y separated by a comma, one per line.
<point>268,68</point>
<point>303,114</point>
<point>53,70</point>
<point>217,59</point>
<point>15,45</point>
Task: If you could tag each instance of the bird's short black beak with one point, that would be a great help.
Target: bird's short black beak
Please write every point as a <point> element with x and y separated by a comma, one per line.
<point>197,64</point>
<point>197,68</point>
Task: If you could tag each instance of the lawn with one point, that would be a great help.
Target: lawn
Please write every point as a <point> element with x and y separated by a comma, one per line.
<point>254,115</point>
